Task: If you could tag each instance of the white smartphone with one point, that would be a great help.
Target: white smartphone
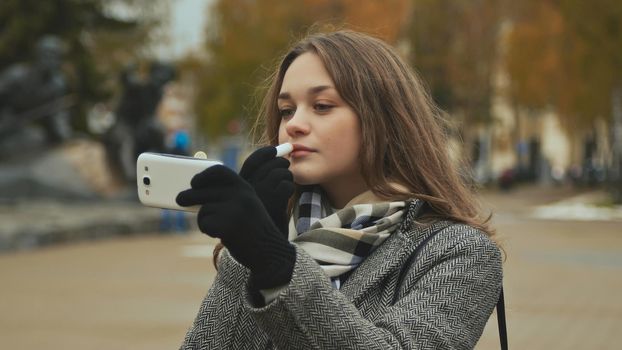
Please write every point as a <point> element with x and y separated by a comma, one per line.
<point>160,177</point>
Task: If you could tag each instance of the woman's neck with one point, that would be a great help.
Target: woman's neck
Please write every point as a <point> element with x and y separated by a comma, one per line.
<point>339,193</point>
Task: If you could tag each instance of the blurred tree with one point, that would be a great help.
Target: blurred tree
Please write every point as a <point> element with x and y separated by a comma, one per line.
<point>387,19</point>
<point>241,37</point>
<point>567,55</point>
<point>454,47</point>
<point>244,39</point>
<point>430,35</point>
<point>98,40</point>
<point>540,56</point>
<point>534,61</point>
<point>596,28</point>
<point>597,25</point>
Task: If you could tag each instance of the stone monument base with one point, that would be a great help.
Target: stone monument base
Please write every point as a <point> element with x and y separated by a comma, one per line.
<point>77,169</point>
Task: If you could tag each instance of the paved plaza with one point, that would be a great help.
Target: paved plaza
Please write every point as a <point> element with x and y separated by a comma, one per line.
<point>562,277</point>
<point>562,284</point>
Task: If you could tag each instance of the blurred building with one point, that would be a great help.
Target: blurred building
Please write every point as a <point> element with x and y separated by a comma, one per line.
<point>533,145</point>
<point>175,109</point>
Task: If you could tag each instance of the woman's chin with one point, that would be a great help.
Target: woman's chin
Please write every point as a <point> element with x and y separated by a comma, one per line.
<point>304,179</point>
<point>303,182</point>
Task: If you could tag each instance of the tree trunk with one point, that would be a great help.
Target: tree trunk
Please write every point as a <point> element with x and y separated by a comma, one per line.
<point>615,172</point>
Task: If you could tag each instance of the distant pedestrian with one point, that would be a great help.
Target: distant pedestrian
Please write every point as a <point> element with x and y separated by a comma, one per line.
<point>175,220</point>
<point>180,144</point>
<point>369,181</point>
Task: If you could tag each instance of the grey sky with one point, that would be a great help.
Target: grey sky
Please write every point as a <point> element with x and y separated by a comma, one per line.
<point>187,24</point>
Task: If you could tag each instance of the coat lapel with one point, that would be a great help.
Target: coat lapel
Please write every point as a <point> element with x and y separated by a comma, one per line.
<point>386,258</point>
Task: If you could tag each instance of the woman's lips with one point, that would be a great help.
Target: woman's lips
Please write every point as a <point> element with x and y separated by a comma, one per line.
<point>301,151</point>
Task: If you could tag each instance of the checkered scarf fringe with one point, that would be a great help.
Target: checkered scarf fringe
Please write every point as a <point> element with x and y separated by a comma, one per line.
<point>339,240</point>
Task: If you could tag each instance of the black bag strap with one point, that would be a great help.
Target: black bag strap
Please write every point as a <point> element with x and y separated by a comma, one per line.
<point>503,333</point>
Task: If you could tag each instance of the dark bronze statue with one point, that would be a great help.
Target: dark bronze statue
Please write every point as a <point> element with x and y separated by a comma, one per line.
<point>137,129</point>
<point>35,94</point>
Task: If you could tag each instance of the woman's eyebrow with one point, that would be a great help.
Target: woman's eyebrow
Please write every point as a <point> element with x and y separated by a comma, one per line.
<point>311,91</point>
<point>317,89</point>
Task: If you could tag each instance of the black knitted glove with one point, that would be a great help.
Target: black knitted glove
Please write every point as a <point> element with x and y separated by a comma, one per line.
<point>273,182</point>
<point>230,210</point>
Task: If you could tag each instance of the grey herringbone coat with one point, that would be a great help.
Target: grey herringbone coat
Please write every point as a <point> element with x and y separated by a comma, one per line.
<point>444,302</point>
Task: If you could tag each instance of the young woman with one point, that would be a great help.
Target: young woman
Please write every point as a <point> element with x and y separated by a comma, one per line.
<point>382,245</point>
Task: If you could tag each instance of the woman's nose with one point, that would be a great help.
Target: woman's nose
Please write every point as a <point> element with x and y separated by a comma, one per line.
<point>298,124</point>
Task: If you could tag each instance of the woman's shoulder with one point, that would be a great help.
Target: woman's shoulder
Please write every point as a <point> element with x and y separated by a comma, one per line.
<point>463,236</point>
<point>417,227</point>
<point>456,246</point>
<point>444,237</point>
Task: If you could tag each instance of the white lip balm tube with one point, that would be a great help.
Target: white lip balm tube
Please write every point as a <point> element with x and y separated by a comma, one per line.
<point>284,149</point>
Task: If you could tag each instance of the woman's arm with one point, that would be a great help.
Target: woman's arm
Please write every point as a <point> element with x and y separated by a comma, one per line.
<point>217,324</point>
<point>446,308</point>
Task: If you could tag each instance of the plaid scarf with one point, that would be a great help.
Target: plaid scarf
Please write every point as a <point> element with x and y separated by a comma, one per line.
<point>339,240</point>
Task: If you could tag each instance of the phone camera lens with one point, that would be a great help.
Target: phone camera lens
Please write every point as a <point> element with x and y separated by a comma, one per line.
<point>147,180</point>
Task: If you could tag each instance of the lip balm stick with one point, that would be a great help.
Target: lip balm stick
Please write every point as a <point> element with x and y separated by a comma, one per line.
<point>284,149</point>
<point>200,155</point>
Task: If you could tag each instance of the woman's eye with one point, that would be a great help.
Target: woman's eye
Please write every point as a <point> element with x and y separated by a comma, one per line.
<point>286,112</point>
<point>322,107</point>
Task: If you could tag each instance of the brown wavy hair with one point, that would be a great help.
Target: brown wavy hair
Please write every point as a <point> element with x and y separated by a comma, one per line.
<point>405,133</point>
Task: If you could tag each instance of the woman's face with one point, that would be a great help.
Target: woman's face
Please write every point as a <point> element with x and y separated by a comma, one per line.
<point>324,130</point>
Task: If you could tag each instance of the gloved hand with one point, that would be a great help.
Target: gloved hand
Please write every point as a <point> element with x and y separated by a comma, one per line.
<point>230,210</point>
<point>273,182</point>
